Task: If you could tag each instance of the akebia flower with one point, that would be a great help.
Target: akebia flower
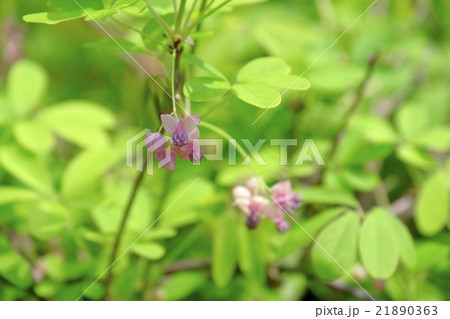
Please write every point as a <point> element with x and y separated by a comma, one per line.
<point>180,130</point>
<point>250,200</point>
<point>184,141</point>
<point>282,194</point>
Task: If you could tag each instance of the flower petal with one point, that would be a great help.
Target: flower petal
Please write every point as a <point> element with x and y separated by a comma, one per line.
<point>167,159</point>
<point>184,151</point>
<point>155,142</point>
<point>281,188</point>
<point>170,123</point>
<point>272,211</point>
<point>190,122</point>
<point>194,134</point>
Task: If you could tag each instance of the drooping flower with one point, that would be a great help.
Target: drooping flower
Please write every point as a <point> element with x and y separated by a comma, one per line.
<point>282,194</point>
<point>250,200</point>
<point>185,135</point>
<point>180,129</point>
<point>184,141</point>
<point>157,144</point>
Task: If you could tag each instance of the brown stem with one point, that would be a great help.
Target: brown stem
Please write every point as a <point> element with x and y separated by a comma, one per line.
<point>359,95</point>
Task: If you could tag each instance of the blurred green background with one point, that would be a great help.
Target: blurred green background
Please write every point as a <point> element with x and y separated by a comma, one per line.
<point>68,107</point>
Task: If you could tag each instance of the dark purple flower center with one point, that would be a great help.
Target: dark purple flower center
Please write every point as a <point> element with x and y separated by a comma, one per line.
<point>252,221</point>
<point>180,138</point>
<point>197,155</point>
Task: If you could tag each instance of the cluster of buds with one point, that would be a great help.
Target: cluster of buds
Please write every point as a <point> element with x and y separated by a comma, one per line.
<point>249,198</point>
<point>184,139</point>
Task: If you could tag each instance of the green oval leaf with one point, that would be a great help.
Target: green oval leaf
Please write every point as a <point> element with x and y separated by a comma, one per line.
<point>34,136</point>
<point>25,167</point>
<point>319,195</point>
<point>378,244</point>
<point>224,252</point>
<point>405,241</point>
<point>80,122</point>
<point>284,82</point>
<point>263,68</point>
<point>203,89</point>
<point>149,250</point>
<point>432,205</point>
<point>26,84</point>
<point>257,94</point>
<point>339,239</point>
<point>251,253</point>
<point>11,194</point>
<point>53,17</point>
<point>83,172</point>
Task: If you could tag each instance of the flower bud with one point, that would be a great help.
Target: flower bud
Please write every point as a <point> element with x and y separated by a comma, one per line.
<point>283,226</point>
<point>252,220</point>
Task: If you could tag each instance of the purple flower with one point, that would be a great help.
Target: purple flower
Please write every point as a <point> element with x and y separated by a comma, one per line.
<point>185,136</point>
<point>251,201</point>
<point>180,129</point>
<point>184,140</point>
<point>282,194</point>
<point>157,144</point>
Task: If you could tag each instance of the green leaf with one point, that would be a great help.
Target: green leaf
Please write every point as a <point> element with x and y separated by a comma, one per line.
<point>71,5</point>
<point>11,194</point>
<point>26,84</point>
<point>432,206</point>
<point>80,122</point>
<point>33,136</point>
<point>374,129</point>
<point>83,172</point>
<point>414,156</point>
<point>296,239</point>
<point>257,94</point>
<point>203,89</point>
<point>263,68</point>
<point>203,65</point>
<point>360,179</point>
<point>378,244</point>
<point>15,269</point>
<point>149,250</point>
<point>224,254</point>
<point>405,241</point>
<point>339,239</point>
<point>319,195</point>
<point>412,120</point>
<point>88,113</point>
<point>284,82</point>
<point>251,253</point>
<point>48,220</point>
<point>99,15</point>
<point>180,285</point>
<point>111,44</point>
<point>185,209</point>
<point>124,3</point>
<point>25,167</point>
<point>53,17</point>
<point>431,255</point>
<point>436,139</point>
